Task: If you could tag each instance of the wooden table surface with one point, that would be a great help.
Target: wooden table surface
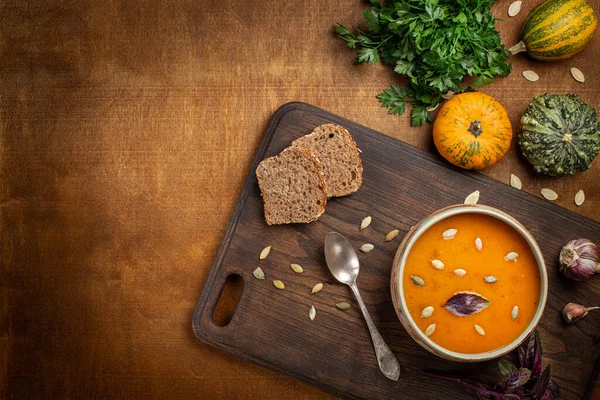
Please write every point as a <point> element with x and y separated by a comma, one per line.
<point>127,129</point>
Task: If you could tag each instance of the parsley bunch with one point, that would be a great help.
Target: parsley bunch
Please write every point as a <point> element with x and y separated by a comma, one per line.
<point>436,43</point>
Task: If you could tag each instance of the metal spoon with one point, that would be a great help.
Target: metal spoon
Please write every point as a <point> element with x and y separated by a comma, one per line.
<point>343,265</point>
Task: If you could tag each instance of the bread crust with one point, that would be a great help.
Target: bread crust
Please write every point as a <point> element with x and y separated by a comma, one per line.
<point>321,185</point>
<point>347,137</point>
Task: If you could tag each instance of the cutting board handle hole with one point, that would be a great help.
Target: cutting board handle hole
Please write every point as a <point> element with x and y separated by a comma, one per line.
<point>228,300</point>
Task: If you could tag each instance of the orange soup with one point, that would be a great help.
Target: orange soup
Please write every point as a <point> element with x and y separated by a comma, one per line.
<point>515,282</point>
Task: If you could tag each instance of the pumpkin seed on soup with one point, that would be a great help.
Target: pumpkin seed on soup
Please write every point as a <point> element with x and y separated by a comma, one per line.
<point>417,280</point>
<point>427,311</point>
<point>460,272</point>
<point>514,313</point>
<point>479,330</point>
<point>478,243</point>
<point>512,256</point>
<point>449,234</point>
<point>437,264</point>
<point>430,329</point>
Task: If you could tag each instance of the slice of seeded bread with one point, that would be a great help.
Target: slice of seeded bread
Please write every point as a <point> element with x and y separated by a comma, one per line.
<point>292,186</point>
<point>336,151</point>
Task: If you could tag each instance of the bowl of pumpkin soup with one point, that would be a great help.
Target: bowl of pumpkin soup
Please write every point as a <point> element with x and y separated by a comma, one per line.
<point>469,283</point>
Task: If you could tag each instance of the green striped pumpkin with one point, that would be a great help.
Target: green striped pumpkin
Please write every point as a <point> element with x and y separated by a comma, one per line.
<point>557,29</point>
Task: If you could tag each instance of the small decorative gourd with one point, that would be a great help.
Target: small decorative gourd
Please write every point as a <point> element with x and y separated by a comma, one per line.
<point>557,29</point>
<point>472,131</point>
<point>560,134</point>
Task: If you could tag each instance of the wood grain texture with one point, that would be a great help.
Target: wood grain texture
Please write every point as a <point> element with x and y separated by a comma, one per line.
<point>401,186</point>
<point>126,131</point>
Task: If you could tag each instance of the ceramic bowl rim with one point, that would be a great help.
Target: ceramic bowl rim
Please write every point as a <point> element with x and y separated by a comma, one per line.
<point>400,260</point>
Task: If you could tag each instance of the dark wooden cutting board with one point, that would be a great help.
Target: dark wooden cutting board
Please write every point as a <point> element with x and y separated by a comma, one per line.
<point>402,184</point>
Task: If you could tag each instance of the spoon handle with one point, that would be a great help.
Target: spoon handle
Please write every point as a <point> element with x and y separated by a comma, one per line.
<point>388,364</point>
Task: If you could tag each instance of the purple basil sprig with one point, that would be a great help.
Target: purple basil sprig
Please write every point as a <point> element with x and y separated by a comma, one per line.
<point>466,303</point>
<point>525,383</point>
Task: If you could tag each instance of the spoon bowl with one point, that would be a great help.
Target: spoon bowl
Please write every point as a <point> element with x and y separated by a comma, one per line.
<point>341,258</point>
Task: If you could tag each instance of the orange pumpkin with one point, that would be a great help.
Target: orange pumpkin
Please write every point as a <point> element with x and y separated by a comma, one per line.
<point>472,131</point>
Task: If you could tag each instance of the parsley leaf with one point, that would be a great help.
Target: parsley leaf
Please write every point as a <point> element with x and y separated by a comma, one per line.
<point>435,43</point>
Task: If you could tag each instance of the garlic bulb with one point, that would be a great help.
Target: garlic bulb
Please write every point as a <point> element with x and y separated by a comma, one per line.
<point>574,312</point>
<point>578,259</point>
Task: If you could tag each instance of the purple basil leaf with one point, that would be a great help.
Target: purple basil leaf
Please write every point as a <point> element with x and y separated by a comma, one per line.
<point>542,384</point>
<point>506,367</point>
<point>527,352</point>
<point>517,378</point>
<point>530,354</point>
<point>512,380</point>
<point>483,390</point>
<point>466,303</point>
<point>524,375</point>
<point>553,391</point>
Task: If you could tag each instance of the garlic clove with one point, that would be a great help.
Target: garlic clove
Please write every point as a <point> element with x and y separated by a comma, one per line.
<point>574,312</point>
<point>578,259</point>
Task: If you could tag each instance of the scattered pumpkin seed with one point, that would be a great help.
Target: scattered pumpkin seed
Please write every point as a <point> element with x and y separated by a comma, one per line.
<point>430,329</point>
<point>514,313</point>
<point>343,305</point>
<point>460,272</point>
<point>478,243</point>
<point>479,330</point>
<point>367,247</point>
<point>312,313</point>
<point>577,75</point>
<point>297,268</point>
<point>449,233</point>
<point>417,280</point>
<point>511,256</point>
<point>264,253</point>
<point>427,311</point>
<point>448,95</point>
<point>437,264</point>
<point>515,182</point>
<point>473,198</point>
<point>579,198</point>
<point>258,273</point>
<point>392,235</point>
<point>514,8</point>
<point>317,288</point>
<point>531,76</point>
<point>365,222</point>
<point>490,279</point>
<point>549,194</point>
<point>278,284</point>
<point>432,108</point>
